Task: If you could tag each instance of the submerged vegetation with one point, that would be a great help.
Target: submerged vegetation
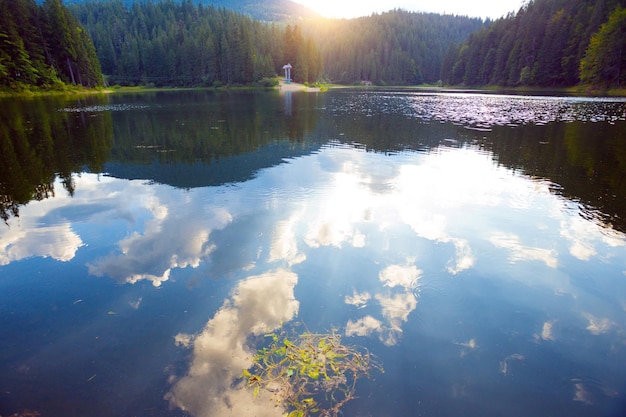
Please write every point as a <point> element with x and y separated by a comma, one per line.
<point>309,374</point>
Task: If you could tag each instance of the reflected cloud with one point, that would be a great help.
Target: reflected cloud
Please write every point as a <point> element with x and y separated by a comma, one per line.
<point>585,236</point>
<point>220,352</point>
<point>24,241</point>
<point>40,231</point>
<point>592,391</point>
<point>598,326</point>
<point>364,326</point>
<point>582,394</point>
<point>284,244</point>
<point>469,346</point>
<point>395,307</point>
<point>505,365</point>
<point>358,300</point>
<point>171,239</point>
<point>520,252</point>
<point>395,310</point>
<point>464,257</point>
<point>546,330</point>
<point>400,276</point>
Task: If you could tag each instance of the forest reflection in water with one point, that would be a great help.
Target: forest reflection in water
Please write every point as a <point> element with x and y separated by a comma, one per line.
<point>473,258</point>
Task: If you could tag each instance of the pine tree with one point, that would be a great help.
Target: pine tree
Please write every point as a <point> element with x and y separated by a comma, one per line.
<point>604,63</point>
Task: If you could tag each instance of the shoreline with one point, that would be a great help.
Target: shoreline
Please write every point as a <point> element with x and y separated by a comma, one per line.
<point>283,87</point>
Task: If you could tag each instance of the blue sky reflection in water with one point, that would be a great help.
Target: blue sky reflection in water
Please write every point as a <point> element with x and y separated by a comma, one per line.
<point>480,289</point>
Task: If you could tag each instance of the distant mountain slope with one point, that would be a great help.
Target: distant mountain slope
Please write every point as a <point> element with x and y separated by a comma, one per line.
<point>266,10</point>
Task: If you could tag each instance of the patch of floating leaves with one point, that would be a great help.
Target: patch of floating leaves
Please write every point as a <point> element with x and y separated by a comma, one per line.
<point>308,374</point>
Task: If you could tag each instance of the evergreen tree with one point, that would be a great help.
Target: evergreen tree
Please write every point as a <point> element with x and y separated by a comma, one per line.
<point>604,63</point>
<point>42,45</point>
<point>543,44</point>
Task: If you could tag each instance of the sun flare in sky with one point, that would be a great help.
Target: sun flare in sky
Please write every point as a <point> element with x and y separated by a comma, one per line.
<point>356,8</point>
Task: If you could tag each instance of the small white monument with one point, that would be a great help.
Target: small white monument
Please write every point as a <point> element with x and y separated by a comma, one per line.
<point>287,69</point>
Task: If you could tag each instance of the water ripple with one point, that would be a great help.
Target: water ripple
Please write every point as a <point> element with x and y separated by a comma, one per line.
<point>483,111</point>
<point>103,108</point>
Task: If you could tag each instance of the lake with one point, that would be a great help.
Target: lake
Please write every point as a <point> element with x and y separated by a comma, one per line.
<point>472,246</point>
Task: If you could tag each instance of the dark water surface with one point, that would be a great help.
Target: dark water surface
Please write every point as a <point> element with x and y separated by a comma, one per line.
<point>475,244</point>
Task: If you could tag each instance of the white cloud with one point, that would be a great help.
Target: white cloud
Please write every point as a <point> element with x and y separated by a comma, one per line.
<point>585,236</point>
<point>220,353</point>
<point>505,365</point>
<point>171,239</point>
<point>597,325</point>
<point>38,233</point>
<point>400,276</point>
<point>546,330</point>
<point>27,240</point>
<point>358,299</point>
<point>364,326</point>
<point>582,394</point>
<point>284,244</point>
<point>395,310</point>
<point>520,252</point>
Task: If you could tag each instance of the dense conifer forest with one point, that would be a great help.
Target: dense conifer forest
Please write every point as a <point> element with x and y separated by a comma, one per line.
<point>547,43</point>
<point>44,46</point>
<point>182,44</point>
<point>397,47</point>
<point>264,10</point>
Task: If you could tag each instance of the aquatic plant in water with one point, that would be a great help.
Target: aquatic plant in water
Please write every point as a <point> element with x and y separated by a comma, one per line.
<point>308,374</point>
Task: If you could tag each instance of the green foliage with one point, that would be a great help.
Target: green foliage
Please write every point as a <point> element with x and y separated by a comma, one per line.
<point>397,47</point>
<point>604,63</point>
<point>41,46</point>
<point>183,44</point>
<point>262,10</point>
<point>541,45</point>
<point>309,373</point>
<point>268,82</point>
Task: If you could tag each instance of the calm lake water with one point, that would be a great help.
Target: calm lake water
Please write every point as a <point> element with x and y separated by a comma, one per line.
<point>475,244</point>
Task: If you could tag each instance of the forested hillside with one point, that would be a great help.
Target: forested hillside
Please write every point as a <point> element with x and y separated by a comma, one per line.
<point>44,46</point>
<point>188,44</point>
<point>182,44</point>
<point>264,10</point>
<point>548,43</point>
<point>397,47</point>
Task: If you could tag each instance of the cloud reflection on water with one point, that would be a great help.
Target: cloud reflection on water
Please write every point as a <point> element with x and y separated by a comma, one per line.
<point>211,387</point>
<point>414,217</point>
<point>176,237</point>
<point>58,242</point>
<point>342,207</point>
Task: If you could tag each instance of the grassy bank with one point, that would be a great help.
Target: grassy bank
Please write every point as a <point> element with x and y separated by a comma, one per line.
<point>34,92</point>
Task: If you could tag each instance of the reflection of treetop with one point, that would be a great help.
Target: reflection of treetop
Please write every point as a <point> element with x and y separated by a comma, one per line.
<point>308,374</point>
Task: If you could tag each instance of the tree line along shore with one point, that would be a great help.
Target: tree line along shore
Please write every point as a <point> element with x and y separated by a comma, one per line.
<point>550,44</point>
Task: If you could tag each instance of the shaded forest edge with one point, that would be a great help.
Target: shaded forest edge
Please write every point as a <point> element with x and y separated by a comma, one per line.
<point>44,47</point>
<point>548,44</point>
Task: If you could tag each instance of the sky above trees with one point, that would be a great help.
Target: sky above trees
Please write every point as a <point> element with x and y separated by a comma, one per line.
<point>355,8</point>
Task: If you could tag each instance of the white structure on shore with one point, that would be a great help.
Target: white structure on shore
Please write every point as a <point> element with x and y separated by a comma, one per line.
<point>287,69</point>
